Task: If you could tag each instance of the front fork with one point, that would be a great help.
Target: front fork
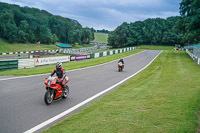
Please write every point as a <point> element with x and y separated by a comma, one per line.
<point>52,92</point>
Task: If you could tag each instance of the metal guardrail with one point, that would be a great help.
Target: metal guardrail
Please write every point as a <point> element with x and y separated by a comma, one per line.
<point>28,52</point>
<point>194,57</point>
<point>8,64</point>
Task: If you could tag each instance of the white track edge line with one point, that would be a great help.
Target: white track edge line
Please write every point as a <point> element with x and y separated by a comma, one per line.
<point>69,70</point>
<point>84,102</point>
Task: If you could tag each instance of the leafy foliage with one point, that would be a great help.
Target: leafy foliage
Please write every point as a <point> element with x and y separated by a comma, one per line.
<point>184,29</point>
<point>190,22</point>
<point>151,31</point>
<point>23,24</point>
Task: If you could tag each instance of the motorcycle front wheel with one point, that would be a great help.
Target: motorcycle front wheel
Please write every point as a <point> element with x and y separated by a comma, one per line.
<point>65,92</point>
<point>48,97</point>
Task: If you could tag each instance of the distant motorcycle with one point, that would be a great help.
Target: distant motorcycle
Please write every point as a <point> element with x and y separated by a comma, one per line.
<point>54,89</point>
<point>120,66</point>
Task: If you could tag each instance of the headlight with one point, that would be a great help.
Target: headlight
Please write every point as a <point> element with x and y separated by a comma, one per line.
<point>49,83</point>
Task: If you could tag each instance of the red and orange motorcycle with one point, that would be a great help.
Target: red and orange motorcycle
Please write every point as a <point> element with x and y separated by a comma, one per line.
<point>54,89</point>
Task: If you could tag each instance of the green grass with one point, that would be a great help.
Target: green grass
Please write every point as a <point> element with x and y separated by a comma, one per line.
<point>67,66</point>
<point>164,98</point>
<point>82,46</point>
<point>155,47</point>
<point>17,47</point>
<point>6,47</point>
<point>101,37</point>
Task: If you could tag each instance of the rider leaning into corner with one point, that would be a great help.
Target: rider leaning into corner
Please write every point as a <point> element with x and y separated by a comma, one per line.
<point>60,73</point>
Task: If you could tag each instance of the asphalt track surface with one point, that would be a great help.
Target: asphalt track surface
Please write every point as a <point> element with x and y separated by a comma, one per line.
<point>22,104</point>
<point>13,56</point>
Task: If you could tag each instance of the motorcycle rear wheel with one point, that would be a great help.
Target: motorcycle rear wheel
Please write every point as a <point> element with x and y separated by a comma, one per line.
<point>48,97</point>
<point>65,92</point>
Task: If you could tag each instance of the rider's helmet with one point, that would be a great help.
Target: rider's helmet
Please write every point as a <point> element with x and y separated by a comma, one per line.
<point>58,65</point>
<point>121,59</point>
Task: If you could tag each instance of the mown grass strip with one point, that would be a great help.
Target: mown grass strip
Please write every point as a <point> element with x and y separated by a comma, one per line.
<point>69,65</point>
<point>101,37</point>
<point>163,98</point>
<point>155,47</point>
<point>6,47</point>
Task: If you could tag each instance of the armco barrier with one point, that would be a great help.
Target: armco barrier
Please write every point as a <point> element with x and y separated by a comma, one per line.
<point>92,56</point>
<point>111,52</point>
<point>27,52</point>
<point>25,63</point>
<point>28,63</point>
<point>79,57</point>
<point>50,60</point>
<point>194,57</point>
<point>96,55</point>
<point>101,54</point>
<point>106,53</point>
<point>8,64</point>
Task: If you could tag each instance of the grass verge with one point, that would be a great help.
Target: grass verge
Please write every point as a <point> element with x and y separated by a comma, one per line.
<point>163,98</point>
<point>101,37</point>
<point>18,47</point>
<point>82,45</point>
<point>6,47</point>
<point>155,47</point>
<point>67,66</point>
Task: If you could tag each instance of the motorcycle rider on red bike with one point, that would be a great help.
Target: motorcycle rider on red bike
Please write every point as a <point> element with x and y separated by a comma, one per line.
<point>60,73</point>
<point>122,61</point>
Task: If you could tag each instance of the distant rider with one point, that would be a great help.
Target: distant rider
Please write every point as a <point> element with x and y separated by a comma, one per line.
<point>60,73</point>
<point>122,61</point>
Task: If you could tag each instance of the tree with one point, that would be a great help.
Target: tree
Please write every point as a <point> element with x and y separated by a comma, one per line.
<point>45,35</point>
<point>76,36</point>
<point>155,31</point>
<point>118,38</point>
<point>190,22</point>
<point>87,35</point>
<point>23,32</point>
<point>24,24</point>
<point>8,27</point>
<point>136,35</point>
<point>54,38</point>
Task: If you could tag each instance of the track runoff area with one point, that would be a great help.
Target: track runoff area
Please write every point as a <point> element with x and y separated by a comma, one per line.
<point>28,113</point>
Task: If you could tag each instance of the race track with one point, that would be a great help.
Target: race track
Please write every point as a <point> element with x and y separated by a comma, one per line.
<point>22,104</point>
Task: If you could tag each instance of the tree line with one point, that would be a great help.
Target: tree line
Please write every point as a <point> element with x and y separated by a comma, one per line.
<point>24,24</point>
<point>184,29</point>
<point>103,31</point>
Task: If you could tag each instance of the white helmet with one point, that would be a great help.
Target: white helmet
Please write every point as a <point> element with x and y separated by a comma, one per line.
<point>58,65</point>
